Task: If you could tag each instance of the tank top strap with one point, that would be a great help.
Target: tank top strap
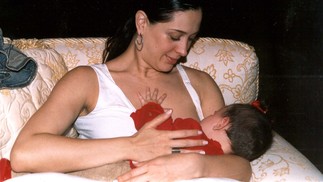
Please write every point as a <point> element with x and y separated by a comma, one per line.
<point>191,90</point>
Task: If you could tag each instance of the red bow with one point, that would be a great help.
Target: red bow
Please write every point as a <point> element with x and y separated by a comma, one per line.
<point>257,105</point>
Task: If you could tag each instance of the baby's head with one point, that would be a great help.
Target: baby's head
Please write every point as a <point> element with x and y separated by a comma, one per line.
<point>250,130</point>
<point>241,129</point>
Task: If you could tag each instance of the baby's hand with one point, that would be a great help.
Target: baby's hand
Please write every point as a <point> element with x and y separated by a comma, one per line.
<point>151,97</point>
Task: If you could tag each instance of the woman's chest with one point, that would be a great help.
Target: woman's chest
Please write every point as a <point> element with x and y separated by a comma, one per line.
<point>177,96</point>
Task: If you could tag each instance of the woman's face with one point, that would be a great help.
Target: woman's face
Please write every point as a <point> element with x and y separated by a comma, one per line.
<point>165,43</point>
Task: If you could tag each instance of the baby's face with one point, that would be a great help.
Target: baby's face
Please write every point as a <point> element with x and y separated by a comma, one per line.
<point>215,126</point>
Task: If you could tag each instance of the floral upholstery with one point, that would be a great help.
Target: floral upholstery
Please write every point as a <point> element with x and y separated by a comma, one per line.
<point>232,64</point>
<point>282,162</point>
<point>18,105</point>
<point>238,80</point>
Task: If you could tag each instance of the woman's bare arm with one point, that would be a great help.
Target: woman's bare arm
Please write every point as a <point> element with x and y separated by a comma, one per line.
<point>188,166</point>
<point>41,146</point>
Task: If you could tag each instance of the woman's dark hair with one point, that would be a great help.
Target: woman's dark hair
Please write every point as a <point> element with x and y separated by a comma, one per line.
<point>156,11</point>
<point>250,131</point>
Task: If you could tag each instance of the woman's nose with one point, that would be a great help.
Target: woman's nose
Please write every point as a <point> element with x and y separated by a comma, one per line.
<point>182,47</point>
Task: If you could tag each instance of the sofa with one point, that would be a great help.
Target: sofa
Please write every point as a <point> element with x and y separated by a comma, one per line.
<point>232,64</point>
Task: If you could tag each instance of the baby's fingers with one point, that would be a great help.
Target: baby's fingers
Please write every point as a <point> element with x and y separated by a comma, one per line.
<point>161,98</point>
<point>155,94</point>
<point>142,99</point>
<point>148,94</point>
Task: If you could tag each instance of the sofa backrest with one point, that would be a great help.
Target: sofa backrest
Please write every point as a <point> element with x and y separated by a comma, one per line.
<point>232,64</point>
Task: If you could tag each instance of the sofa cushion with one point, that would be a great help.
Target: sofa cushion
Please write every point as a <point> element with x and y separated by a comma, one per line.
<point>17,105</point>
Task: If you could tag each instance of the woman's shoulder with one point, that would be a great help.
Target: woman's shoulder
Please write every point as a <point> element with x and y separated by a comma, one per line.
<point>82,68</point>
<point>81,71</point>
<point>78,76</point>
<point>82,79</point>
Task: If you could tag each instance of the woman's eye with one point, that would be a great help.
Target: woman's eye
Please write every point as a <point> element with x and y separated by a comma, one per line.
<point>175,38</point>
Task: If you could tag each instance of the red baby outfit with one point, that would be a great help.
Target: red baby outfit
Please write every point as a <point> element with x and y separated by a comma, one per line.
<point>149,111</point>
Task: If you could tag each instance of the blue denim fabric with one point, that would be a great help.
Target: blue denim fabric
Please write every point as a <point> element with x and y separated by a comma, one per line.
<point>16,69</point>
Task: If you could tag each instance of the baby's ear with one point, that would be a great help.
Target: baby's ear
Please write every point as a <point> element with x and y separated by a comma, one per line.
<point>225,121</point>
<point>221,124</point>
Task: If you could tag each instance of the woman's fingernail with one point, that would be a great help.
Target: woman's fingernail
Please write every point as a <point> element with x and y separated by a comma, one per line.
<point>199,132</point>
<point>202,152</point>
<point>169,111</point>
<point>205,142</point>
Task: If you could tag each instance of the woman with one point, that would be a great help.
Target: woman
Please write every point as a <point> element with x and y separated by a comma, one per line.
<point>99,100</point>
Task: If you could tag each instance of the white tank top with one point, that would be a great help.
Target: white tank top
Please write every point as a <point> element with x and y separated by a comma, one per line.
<point>111,116</point>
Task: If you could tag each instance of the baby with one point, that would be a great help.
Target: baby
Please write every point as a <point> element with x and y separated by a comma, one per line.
<point>240,129</point>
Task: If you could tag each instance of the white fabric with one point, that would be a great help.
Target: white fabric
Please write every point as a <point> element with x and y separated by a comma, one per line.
<point>191,90</point>
<point>54,177</point>
<point>111,116</point>
<point>49,177</point>
<point>209,180</point>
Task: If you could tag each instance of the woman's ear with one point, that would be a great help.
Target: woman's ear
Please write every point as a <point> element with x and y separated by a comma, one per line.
<point>141,21</point>
<point>221,124</point>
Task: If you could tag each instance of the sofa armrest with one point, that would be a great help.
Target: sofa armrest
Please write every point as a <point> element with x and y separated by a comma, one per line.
<point>283,162</point>
<point>17,105</point>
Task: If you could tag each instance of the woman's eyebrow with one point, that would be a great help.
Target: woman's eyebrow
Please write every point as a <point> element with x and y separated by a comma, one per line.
<point>183,32</point>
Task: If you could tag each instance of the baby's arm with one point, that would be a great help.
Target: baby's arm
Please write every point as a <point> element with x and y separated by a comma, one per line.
<point>151,97</point>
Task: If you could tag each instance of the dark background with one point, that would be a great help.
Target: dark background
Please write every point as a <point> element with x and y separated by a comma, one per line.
<point>286,34</point>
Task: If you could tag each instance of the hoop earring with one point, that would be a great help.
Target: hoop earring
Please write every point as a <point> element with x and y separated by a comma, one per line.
<point>139,43</point>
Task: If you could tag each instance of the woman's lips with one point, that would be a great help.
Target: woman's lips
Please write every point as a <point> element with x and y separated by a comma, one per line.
<point>172,60</point>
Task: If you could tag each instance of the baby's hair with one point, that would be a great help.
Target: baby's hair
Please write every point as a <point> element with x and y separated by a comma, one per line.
<point>250,130</point>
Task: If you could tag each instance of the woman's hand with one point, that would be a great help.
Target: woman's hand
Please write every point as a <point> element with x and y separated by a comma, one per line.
<point>166,168</point>
<point>149,143</point>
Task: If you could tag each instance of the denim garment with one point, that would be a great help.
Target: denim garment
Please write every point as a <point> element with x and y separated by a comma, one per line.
<point>16,69</point>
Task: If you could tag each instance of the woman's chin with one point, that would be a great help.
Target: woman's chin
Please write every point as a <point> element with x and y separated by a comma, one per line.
<point>168,68</point>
